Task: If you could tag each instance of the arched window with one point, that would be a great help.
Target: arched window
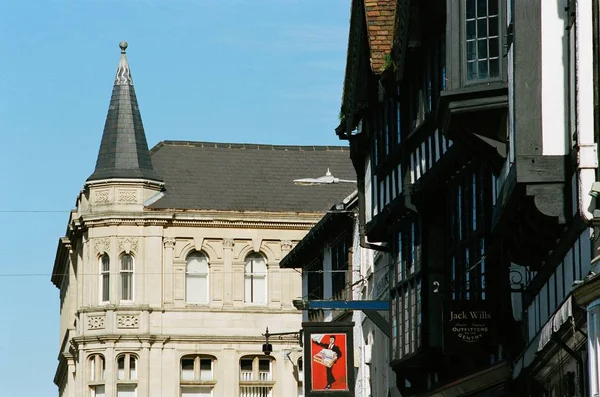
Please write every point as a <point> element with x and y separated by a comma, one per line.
<point>126,375</point>
<point>256,376</point>
<point>104,278</point>
<point>96,368</point>
<point>126,277</point>
<point>255,279</point>
<point>197,376</point>
<point>127,367</point>
<point>196,278</point>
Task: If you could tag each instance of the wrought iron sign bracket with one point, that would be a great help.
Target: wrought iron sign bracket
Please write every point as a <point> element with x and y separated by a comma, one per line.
<point>267,348</point>
<point>370,308</point>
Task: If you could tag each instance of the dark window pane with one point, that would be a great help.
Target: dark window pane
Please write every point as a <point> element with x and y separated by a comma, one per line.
<point>494,48</point>
<point>482,69</point>
<point>482,49</point>
<point>471,51</point>
<point>471,71</point>
<point>481,8</point>
<point>493,26</point>
<point>126,262</point>
<point>105,287</point>
<point>470,9</point>
<point>246,364</point>
<point>493,7</point>
<point>187,364</point>
<point>205,364</point>
<point>105,263</point>
<point>494,67</point>
<point>121,362</point>
<point>471,30</point>
<point>264,365</point>
<point>482,28</point>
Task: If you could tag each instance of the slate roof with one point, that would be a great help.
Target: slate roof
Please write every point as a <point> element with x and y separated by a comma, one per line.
<point>249,177</point>
<point>123,150</point>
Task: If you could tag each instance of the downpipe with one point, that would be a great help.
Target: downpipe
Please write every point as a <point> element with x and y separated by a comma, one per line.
<point>587,153</point>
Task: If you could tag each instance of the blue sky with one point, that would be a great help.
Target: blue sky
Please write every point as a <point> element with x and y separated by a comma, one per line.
<point>262,71</point>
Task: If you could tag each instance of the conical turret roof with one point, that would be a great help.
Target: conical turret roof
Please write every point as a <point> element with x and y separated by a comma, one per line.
<point>123,151</point>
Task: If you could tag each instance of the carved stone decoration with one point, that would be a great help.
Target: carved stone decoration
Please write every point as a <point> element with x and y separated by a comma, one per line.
<point>102,197</point>
<point>102,245</point>
<point>169,242</point>
<point>286,245</point>
<point>128,321</point>
<point>128,196</point>
<point>95,322</point>
<point>128,244</point>
<point>228,243</point>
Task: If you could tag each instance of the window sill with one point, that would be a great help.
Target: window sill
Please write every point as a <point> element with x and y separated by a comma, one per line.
<point>198,382</point>
<point>96,383</point>
<point>257,382</point>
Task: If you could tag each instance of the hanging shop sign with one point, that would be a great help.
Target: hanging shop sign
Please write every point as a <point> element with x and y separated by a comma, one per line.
<point>328,354</point>
<point>468,325</point>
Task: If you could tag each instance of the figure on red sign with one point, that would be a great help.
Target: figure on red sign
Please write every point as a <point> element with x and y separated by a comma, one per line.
<point>329,356</point>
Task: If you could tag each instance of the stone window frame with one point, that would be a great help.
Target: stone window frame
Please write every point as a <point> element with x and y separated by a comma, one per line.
<point>104,276</point>
<point>96,375</point>
<point>197,381</point>
<point>207,276</point>
<point>256,381</point>
<point>128,379</point>
<point>266,278</point>
<point>131,282</point>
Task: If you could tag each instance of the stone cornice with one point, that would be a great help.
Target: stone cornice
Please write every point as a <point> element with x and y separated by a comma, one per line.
<point>187,309</point>
<point>164,339</point>
<point>173,220</point>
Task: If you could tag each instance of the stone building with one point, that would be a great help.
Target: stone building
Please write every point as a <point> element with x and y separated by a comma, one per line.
<point>168,272</point>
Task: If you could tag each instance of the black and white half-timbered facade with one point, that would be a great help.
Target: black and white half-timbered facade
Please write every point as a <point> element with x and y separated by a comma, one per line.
<point>475,147</point>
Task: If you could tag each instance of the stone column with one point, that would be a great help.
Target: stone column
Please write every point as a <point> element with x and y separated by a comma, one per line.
<point>109,370</point>
<point>285,279</point>
<point>145,371</point>
<point>228,244</point>
<point>168,272</point>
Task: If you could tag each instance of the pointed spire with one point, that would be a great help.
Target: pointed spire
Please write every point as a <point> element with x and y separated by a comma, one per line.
<point>123,151</point>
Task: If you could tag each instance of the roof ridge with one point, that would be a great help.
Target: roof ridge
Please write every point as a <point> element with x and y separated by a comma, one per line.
<point>257,146</point>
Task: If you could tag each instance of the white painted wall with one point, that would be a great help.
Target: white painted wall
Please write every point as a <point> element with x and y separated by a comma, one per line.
<point>555,77</point>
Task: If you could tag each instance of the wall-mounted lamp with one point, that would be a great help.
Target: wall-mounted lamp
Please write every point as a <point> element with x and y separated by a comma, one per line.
<point>327,179</point>
<point>267,348</point>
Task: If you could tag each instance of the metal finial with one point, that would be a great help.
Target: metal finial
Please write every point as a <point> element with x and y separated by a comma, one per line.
<point>123,46</point>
